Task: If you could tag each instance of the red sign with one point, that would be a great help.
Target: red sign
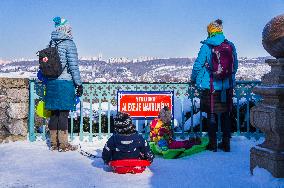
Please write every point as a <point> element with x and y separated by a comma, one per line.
<point>144,104</point>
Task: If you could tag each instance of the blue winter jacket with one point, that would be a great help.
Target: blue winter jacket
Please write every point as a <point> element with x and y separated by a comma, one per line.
<point>132,146</point>
<point>68,55</point>
<point>201,75</point>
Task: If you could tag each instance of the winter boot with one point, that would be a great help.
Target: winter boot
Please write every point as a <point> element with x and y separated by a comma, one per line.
<point>212,145</point>
<point>225,144</point>
<point>53,140</point>
<point>198,140</point>
<point>63,142</point>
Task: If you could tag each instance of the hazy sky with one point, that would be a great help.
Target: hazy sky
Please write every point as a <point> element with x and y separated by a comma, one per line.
<point>132,28</point>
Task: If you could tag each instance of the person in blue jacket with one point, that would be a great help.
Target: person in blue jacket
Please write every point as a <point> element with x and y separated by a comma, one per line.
<point>126,143</point>
<point>60,95</point>
<point>222,88</point>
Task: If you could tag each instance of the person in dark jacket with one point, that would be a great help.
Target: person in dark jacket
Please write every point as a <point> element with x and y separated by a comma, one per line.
<point>222,94</point>
<point>60,93</point>
<point>126,143</point>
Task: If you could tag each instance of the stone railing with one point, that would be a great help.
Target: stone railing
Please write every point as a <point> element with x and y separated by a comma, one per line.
<point>14,102</point>
<point>268,115</point>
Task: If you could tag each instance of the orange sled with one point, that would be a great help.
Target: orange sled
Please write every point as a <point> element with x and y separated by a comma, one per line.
<point>132,166</point>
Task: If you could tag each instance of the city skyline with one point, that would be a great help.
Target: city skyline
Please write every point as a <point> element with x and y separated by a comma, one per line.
<point>132,29</point>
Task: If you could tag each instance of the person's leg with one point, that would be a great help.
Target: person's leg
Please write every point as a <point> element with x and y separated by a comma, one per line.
<point>63,120</point>
<point>212,146</point>
<point>63,129</point>
<point>226,126</point>
<point>63,132</point>
<point>52,126</point>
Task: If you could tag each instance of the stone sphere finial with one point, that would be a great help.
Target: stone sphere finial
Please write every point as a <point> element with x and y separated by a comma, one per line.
<point>273,37</point>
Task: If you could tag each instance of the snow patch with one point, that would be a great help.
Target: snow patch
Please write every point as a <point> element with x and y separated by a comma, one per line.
<point>266,178</point>
<point>196,121</point>
<point>31,164</point>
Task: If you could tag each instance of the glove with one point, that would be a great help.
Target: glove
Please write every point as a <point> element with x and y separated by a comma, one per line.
<point>79,91</point>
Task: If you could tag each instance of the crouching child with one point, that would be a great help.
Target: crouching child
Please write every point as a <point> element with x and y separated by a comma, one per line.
<point>126,143</point>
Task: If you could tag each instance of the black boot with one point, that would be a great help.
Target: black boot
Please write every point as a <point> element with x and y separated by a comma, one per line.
<point>212,146</point>
<point>225,144</point>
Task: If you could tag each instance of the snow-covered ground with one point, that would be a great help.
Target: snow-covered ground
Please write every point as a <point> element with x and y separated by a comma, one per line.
<point>25,164</point>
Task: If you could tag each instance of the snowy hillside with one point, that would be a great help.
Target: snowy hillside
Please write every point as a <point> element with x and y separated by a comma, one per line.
<point>32,165</point>
<point>156,70</point>
<point>2,62</point>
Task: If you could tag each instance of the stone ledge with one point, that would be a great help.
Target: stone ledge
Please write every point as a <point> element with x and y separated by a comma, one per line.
<point>18,110</point>
<point>14,102</point>
<point>14,83</point>
<point>274,61</point>
<point>270,160</point>
<point>18,95</point>
<point>17,127</point>
<point>11,138</point>
<point>275,90</point>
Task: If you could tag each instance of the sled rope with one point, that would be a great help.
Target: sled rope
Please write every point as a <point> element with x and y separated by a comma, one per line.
<point>87,154</point>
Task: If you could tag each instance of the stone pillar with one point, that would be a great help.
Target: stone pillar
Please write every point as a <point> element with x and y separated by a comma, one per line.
<point>14,102</point>
<point>268,116</point>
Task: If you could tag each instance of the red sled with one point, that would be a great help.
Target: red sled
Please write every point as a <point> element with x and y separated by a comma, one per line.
<point>132,166</point>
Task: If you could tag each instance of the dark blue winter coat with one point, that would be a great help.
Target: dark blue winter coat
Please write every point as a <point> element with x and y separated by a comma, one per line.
<point>132,146</point>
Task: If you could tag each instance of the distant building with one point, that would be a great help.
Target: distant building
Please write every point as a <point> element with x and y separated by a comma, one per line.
<point>118,60</point>
<point>141,59</point>
<point>94,58</point>
<point>100,57</point>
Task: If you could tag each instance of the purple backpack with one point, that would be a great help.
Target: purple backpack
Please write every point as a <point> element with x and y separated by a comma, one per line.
<point>222,68</point>
<point>222,61</point>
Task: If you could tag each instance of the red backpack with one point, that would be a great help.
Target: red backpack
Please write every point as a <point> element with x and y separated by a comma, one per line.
<point>222,61</point>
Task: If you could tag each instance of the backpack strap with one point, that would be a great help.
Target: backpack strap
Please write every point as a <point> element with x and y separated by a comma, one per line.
<point>50,43</point>
<point>56,44</point>
<point>211,94</point>
<point>231,91</point>
<point>230,94</point>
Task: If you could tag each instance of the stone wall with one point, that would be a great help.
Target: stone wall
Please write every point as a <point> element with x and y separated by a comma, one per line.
<point>14,103</point>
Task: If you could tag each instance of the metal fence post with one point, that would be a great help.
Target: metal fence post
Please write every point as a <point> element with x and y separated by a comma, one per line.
<point>91,118</point>
<point>81,119</point>
<point>72,127</point>
<point>32,136</point>
<point>100,116</point>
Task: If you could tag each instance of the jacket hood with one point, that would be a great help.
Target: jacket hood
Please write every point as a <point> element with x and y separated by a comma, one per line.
<point>215,40</point>
<point>57,35</point>
<point>126,143</point>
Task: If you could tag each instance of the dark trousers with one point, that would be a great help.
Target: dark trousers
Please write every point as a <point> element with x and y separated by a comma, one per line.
<point>58,120</point>
<point>225,125</point>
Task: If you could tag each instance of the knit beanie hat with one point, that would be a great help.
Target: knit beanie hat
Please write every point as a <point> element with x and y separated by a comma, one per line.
<point>123,124</point>
<point>215,27</point>
<point>63,26</point>
<point>58,21</point>
<point>166,115</point>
